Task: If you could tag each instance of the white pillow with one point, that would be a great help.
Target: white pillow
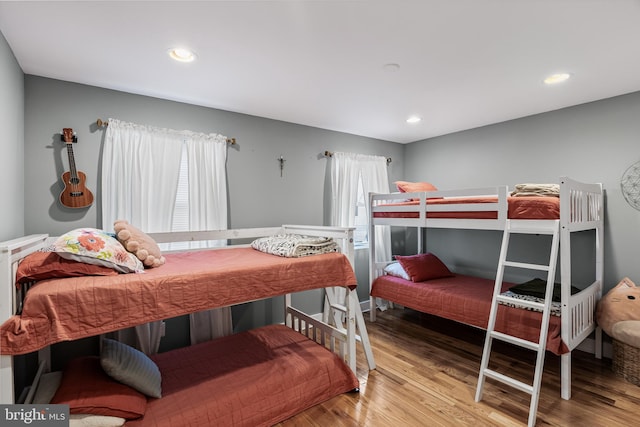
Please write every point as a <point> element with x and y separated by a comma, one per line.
<point>395,269</point>
<point>131,367</point>
<point>89,420</point>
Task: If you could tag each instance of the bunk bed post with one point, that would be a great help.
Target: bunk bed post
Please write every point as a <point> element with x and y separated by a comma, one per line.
<point>6,310</point>
<point>565,281</point>
<point>372,259</point>
<point>598,206</point>
<point>351,329</point>
<point>10,251</point>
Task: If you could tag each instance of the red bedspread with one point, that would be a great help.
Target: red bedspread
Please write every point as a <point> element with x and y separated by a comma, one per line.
<point>254,378</point>
<point>467,300</point>
<point>72,308</point>
<point>531,207</point>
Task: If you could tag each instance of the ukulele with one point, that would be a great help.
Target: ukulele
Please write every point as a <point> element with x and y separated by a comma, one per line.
<point>75,194</point>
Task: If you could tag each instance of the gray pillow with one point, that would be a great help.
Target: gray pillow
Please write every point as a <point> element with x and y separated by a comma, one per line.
<point>131,367</point>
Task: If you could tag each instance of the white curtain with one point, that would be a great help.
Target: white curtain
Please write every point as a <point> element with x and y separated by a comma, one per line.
<point>347,169</point>
<point>207,158</point>
<point>140,172</point>
<point>140,169</point>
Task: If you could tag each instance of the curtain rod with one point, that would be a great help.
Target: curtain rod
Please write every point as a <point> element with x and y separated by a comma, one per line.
<point>330,153</point>
<point>100,123</point>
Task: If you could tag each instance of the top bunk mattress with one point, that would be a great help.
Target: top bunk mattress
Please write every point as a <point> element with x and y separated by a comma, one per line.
<point>530,207</point>
<point>71,308</point>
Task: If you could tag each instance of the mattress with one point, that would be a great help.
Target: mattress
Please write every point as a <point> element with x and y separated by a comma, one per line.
<point>71,308</point>
<point>532,207</point>
<point>254,378</point>
<point>467,300</point>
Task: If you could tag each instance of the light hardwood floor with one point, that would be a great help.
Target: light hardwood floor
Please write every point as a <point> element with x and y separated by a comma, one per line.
<point>427,370</point>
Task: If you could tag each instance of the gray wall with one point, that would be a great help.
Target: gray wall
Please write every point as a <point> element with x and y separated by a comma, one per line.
<point>594,142</point>
<point>12,189</point>
<point>258,195</point>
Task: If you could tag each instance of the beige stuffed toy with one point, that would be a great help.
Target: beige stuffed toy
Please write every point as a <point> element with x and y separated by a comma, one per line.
<point>618,312</point>
<point>139,244</point>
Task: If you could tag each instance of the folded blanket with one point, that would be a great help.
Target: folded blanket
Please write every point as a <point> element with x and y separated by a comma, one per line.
<point>295,245</point>
<point>536,190</point>
<point>556,307</point>
<point>537,288</point>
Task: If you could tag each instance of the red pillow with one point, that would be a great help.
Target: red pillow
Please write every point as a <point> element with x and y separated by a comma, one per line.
<point>423,267</point>
<point>50,265</point>
<point>414,187</point>
<point>87,389</point>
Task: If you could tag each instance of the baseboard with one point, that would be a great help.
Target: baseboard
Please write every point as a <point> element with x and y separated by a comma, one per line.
<point>589,346</point>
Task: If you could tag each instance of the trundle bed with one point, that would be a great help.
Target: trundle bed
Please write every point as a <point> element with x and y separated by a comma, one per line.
<point>257,377</point>
<point>576,207</point>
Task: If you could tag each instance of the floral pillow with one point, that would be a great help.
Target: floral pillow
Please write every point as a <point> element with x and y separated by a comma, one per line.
<point>93,246</point>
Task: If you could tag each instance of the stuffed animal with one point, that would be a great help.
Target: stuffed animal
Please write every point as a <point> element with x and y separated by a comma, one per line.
<point>618,312</point>
<point>138,243</point>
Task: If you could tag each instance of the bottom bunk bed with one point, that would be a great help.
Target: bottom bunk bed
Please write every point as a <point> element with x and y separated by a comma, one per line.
<point>321,365</point>
<point>254,378</point>
<point>467,300</point>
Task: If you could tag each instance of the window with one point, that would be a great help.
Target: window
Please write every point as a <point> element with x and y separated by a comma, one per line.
<point>181,206</point>
<point>180,220</point>
<point>361,233</point>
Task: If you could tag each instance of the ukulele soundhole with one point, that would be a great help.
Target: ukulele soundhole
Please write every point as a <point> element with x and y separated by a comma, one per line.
<point>74,181</point>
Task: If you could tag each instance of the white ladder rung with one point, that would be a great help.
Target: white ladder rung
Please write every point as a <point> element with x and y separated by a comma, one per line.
<point>521,302</point>
<point>339,307</point>
<point>509,381</point>
<point>526,265</point>
<point>343,330</point>
<point>515,340</point>
<point>340,316</point>
<point>521,227</point>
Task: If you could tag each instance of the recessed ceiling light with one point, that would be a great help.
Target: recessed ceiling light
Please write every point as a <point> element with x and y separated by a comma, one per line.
<point>413,119</point>
<point>557,78</point>
<point>182,55</point>
<point>391,67</point>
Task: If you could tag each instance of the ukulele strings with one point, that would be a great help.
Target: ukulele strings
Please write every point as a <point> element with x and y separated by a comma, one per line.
<point>74,180</point>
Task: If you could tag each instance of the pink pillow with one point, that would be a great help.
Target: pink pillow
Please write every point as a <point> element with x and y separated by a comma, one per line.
<point>87,389</point>
<point>414,187</point>
<point>423,267</point>
<point>49,265</point>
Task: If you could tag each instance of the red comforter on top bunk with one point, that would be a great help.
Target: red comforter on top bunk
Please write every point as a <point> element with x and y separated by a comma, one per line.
<point>531,207</point>
<point>71,308</point>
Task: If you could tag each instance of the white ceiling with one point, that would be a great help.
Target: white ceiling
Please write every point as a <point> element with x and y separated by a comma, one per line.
<point>463,63</point>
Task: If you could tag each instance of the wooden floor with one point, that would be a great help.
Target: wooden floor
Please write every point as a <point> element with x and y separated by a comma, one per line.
<point>427,370</point>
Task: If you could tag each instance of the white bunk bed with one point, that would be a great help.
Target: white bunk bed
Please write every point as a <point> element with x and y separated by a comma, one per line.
<point>338,338</point>
<point>580,208</point>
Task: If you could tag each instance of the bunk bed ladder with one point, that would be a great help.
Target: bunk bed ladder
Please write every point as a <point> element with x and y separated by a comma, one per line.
<point>336,313</point>
<point>521,227</point>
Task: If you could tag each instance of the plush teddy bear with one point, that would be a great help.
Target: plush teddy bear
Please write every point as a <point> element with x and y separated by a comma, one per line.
<point>618,312</point>
<point>138,243</point>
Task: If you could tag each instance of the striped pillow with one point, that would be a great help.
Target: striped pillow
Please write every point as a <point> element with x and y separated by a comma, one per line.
<point>131,367</point>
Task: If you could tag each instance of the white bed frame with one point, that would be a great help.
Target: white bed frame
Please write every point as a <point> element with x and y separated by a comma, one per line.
<point>340,338</point>
<point>581,208</point>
